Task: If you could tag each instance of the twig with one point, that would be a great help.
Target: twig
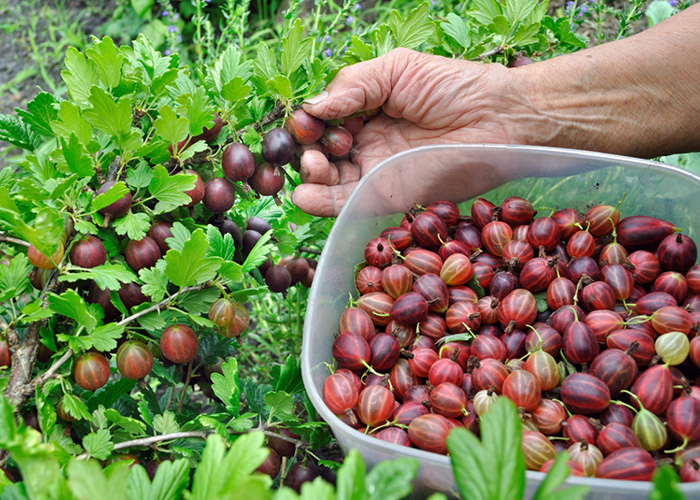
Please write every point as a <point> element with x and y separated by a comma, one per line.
<point>41,380</point>
<point>310,250</point>
<point>163,303</point>
<point>16,241</point>
<point>184,389</point>
<point>492,52</point>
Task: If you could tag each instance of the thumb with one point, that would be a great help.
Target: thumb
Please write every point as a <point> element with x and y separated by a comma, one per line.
<point>362,86</point>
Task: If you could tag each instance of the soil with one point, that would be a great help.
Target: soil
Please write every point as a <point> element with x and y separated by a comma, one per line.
<point>34,35</point>
<point>33,30</point>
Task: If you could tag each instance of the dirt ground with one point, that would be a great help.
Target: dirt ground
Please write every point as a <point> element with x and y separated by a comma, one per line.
<point>34,35</point>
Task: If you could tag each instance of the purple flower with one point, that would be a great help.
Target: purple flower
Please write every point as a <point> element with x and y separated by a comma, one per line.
<point>358,6</point>
<point>584,9</point>
<point>673,3</point>
<point>349,21</point>
<point>165,13</point>
<point>328,52</point>
<point>171,28</point>
<point>569,5</point>
<point>167,52</point>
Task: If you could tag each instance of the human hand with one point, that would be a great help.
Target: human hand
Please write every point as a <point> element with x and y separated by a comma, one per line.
<point>424,100</point>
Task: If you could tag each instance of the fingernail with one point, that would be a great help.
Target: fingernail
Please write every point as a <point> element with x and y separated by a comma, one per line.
<point>317,98</point>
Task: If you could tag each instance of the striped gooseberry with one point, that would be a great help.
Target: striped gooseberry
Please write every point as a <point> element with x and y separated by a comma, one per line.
<point>134,360</point>
<point>523,389</point>
<point>616,436</point>
<point>537,449</point>
<point>429,432</point>
<point>585,394</point>
<point>91,371</point>
<point>631,464</point>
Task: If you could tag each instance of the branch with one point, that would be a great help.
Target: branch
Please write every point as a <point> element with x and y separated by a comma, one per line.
<point>492,52</point>
<point>41,379</point>
<point>163,437</point>
<point>163,303</point>
<point>16,241</point>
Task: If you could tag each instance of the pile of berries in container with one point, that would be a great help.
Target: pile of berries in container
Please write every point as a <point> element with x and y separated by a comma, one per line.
<point>587,322</point>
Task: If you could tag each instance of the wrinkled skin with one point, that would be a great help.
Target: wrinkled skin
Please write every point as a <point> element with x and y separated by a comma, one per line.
<point>425,100</point>
<point>636,96</point>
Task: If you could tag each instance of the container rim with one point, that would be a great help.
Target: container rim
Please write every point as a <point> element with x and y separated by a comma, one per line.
<point>640,487</point>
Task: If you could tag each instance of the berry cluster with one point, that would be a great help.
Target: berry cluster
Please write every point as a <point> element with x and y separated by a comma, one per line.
<point>587,322</point>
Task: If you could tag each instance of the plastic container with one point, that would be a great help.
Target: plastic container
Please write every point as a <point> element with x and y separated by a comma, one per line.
<point>547,177</point>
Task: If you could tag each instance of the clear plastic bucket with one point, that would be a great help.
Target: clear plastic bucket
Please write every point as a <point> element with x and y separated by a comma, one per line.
<point>547,177</point>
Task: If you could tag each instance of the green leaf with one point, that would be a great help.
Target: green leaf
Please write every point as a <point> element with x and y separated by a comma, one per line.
<point>69,121</point>
<point>75,407</point>
<point>131,425</point>
<point>76,157</point>
<point>666,484</point>
<point>134,225</point>
<point>295,49</point>
<point>8,427</point>
<point>40,113</point>
<point>218,474</point>
<point>114,193</point>
<point>391,479</point>
<point>417,28</point>
<point>280,85</point>
<point>107,116</point>
<point>351,478</point>
<point>541,301</point>
<point>14,276</point>
<point>288,376</point>
<point>228,68</point>
<point>517,11</point>
<point>139,177</point>
<point>155,283</point>
<point>190,266</point>
<point>99,444</point>
<point>86,479</point>
<point>526,34</point>
<point>165,423</point>
<point>79,76</point>
<point>258,254</point>
<point>358,51</point>
<point>658,10</point>
<point>108,61</point>
<point>457,28</point>
<point>555,478</point>
<point>235,90</point>
<point>45,412</point>
<point>280,404</point>
<point>105,276</point>
<point>170,127</point>
<point>142,7</point>
<point>496,468</point>
<point>220,245</point>
<point>317,489</point>
<point>485,10</point>
<point>500,26</point>
<point>18,133</point>
<point>105,337</point>
<point>226,387</point>
<point>170,480</point>
<point>265,65</point>
<point>72,305</point>
<point>199,110</point>
<point>170,190</point>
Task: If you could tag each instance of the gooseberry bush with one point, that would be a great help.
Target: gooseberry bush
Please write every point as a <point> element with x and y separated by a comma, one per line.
<point>155,272</point>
